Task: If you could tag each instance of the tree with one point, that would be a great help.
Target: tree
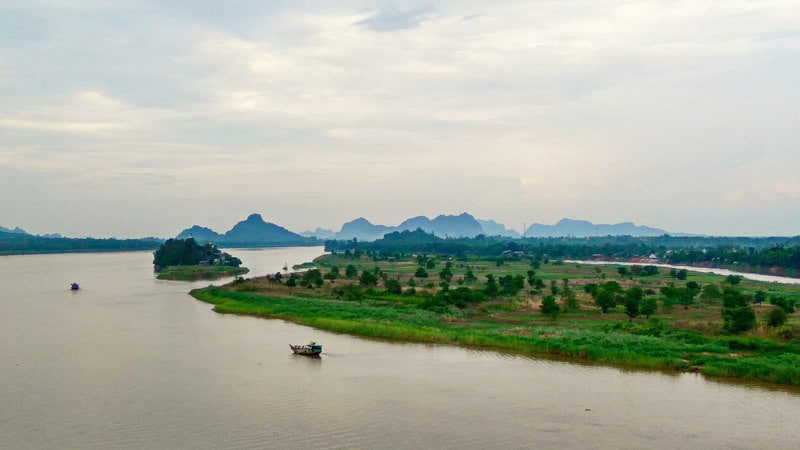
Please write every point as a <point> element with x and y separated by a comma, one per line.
<point>606,296</point>
<point>787,304</point>
<point>350,271</point>
<point>491,289</point>
<point>549,306</point>
<point>312,277</point>
<point>633,300</point>
<point>623,271</point>
<point>733,298</point>
<point>686,297</point>
<point>777,317</point>
<point>632,307</point>
<point>421,273</point>
<point>469,276</point>
<point>571,301</point>
<point>710,292</point>
<point>531,278</point>
<point>733,280</point>
<point>367,278</point>
<point>553,287</point>
<point>393,286</point>
<point>650,270</point>
<point>604,299</point>
<point>648,307</point>
<point>739,319</point>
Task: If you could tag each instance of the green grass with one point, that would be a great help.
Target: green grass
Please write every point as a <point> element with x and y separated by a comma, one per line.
<point>191,273</point>
<point>650,344</point>
<point>677,339</point>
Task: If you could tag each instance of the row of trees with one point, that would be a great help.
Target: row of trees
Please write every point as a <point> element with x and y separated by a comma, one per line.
<point>19,243</point>
<point>755,253</point>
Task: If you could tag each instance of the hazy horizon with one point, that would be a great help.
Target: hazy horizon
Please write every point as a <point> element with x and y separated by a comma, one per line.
<point>391,225</point>
<point>134,119</point>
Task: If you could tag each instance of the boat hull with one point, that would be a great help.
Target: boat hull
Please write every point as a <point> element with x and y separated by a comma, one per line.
<point>311,349</point>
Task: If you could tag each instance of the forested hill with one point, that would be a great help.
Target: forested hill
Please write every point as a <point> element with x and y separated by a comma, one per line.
<point>20,243</point>
<point>778,255</point>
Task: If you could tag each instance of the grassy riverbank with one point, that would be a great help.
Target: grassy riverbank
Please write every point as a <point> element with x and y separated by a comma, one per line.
<point>675,338</point>
<point>193,273</point>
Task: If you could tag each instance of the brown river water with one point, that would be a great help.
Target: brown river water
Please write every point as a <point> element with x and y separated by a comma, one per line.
<point>129,361</point>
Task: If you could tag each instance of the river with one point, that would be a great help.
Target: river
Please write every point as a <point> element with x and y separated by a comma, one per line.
<point>129,361</point>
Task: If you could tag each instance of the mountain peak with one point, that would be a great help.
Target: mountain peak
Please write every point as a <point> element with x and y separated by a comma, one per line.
<point>253,230</point>
<point>584,228</point>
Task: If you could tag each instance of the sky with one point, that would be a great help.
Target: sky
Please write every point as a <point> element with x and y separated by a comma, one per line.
<point>124,118</point>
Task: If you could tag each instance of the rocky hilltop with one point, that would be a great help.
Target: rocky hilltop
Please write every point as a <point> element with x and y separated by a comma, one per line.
<point>253,231</point>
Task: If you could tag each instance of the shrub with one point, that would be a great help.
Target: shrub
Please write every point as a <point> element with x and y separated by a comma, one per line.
<point>739,319</point>
<point>777,317</point>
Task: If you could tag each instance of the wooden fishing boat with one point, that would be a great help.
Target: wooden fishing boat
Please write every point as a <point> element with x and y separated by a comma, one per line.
<point>310,349</point>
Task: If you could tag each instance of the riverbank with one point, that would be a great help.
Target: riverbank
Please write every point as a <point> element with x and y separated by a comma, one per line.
<point>194,273</point>
<point>675,338</point>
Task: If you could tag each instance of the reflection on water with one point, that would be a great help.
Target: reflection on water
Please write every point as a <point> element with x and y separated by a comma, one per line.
<point>133,362</point>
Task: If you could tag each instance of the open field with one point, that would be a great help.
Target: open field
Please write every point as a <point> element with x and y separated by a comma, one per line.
<point>402,306</point>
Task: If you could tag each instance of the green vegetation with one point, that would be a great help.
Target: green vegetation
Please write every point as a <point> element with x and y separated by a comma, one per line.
<point>769,255</point>
<point>21,244</point>
<point>638,317</point>
<point>186,252</point>
<point>192,273</point>
<point>184,259</point>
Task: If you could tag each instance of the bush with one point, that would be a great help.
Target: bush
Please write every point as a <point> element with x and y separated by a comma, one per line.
<point>739,319</point>
<point>784,303</point>
<point>777,317</point>
<point>549,306</point>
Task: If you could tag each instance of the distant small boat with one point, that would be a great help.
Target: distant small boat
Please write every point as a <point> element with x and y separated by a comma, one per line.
<point>311,349</point>
<point>74,286</point>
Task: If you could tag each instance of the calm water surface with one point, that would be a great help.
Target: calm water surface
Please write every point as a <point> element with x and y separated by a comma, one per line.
<point>133,362</point>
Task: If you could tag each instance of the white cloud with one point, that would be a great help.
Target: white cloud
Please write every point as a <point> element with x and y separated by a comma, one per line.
<point>517,111</point>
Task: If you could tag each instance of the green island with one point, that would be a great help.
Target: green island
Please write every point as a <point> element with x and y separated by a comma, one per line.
<point>185,260</point>
<point>524,302</point>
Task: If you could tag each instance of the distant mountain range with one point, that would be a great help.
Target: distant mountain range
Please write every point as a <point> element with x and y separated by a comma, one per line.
<point>255,231</point>
<point>465,225</point>
<point>583,228</point>
<point>251,231</point>
<point>17,230</point>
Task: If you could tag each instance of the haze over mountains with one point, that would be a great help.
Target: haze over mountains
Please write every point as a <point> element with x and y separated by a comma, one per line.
<point>255,230</point>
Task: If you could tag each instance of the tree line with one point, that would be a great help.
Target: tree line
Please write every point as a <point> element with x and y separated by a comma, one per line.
<point>749,254</point>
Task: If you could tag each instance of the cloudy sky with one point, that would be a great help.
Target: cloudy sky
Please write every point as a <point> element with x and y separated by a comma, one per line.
<point>140,118</point>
